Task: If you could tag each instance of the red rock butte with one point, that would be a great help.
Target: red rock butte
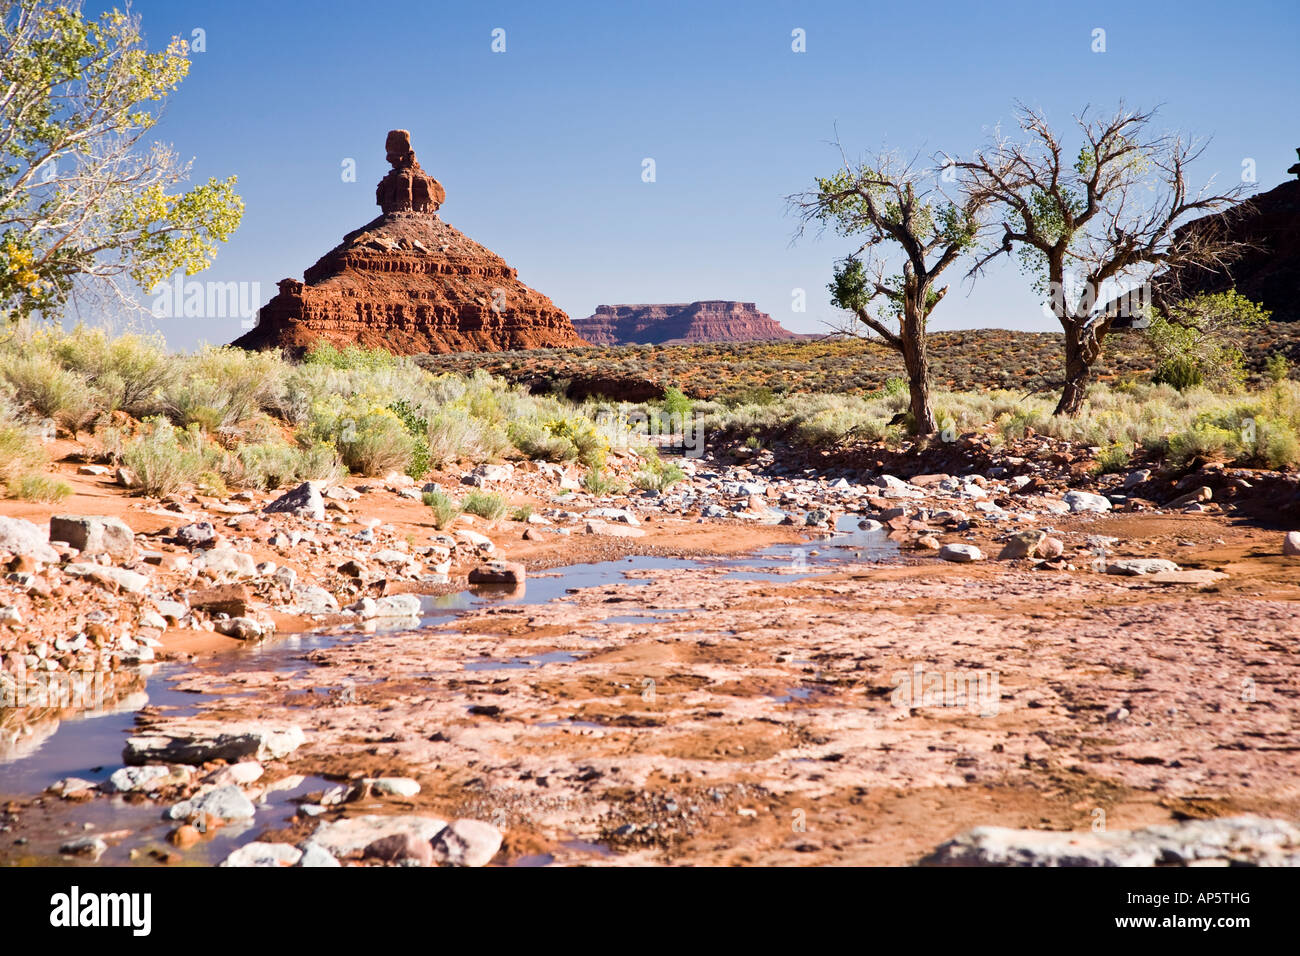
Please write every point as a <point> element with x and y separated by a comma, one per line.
<point>710,320</point>
<point>409,283</point>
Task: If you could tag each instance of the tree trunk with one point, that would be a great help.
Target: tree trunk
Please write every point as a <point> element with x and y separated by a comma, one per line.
<point>1078,369</point>
<point>917,363</point>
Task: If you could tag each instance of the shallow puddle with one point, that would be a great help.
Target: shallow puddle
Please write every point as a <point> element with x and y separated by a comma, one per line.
<point>88,744</point>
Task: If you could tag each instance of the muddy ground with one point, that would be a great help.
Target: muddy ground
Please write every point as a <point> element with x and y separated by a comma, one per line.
<point>690,716</point>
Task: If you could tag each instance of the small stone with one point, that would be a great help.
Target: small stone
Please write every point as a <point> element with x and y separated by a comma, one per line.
<point>313,854</point>
<point>305,501</point>
<point>93,534</point>
<point>1136,566</point>
<point>394,786</point>
<point>264,854</point>
<point>1291,544</point>
<point>185,836</point>
<point>407,848</point>
<point>1051,548</point>
<point>201,534</point>
<point>1079,501</point>
<point>467,843</point>
<point>961,553</point>
<point>1022,545</point>
<point>129,779</point>
<point>241,628</point>
<point>91,846</point>
<point>231,599</point>
<point>498,572</point>
<point>223,803</point>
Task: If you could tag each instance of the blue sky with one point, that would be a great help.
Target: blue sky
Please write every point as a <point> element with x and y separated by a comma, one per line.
<point>540,148</point>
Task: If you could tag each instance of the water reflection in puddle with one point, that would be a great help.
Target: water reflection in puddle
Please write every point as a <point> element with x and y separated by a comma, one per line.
<point>89,745</point>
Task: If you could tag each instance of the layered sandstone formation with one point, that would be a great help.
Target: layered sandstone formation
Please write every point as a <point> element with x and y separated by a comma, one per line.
<point>410,283</point>
<point>1268,269</point>
<point>712,320</point>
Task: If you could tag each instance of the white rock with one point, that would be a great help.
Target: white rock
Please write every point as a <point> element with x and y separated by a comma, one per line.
<point>264,854</point>
<point>356,833</point>
<point>961,553</point>
<point>1078,501</point>
<point>467,843</point>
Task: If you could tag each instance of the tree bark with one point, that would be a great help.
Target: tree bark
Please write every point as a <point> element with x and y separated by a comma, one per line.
<point>1078,369</point>
<point>917,362</point>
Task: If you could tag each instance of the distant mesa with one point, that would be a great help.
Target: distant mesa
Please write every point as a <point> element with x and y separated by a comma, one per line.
<point>1268,271</point>
<point>409,283</point>
<point>710,320</point>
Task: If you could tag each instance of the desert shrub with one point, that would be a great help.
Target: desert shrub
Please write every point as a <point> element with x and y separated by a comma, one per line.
<point>589,446</point>
<point>1277,367</point>
<point>1182,372</point>
<point>485,504</point>
<point>1203,440</point>
<point>272,464</point>
<point>599,483</point>
<point>753,395</point>
<point>349,357</point>
<point>110,439</point>
<point>1112,459</point>
<point>220,388</point>
<point>418,429</point>
<point>895,386</point>
<point>20,452</point>
<point>47,389</point>
<point>676,403</point>
<point>1195,341</point>
<point>538,443</point>
<point>164,457</point>
<point>657,474</point>
<point>35,487</point>
<point>521,513</point>
<point>370,439</point>
<point>127,371</point>
<point>445,510</point>
<point>454,433</point>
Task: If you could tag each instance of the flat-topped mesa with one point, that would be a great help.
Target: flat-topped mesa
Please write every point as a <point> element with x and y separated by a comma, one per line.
<point>709,320</point>
<point>409,283</point>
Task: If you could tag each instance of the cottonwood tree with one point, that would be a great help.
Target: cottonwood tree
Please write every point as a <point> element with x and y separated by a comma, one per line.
<point>1094,220</point>
<point>911,232</point>
<point>83,196</point>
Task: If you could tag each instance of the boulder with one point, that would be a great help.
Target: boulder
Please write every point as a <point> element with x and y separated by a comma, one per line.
<point>1078,501</point>
<point>264,854</point>
<point>93,534</point>
<point>198,741</point>
<point>467,843</point>
<point>1291,544</point>
<point>25,539</point>
<point>351,834</point>
<point>1226,841</point>
<point>1136,566</point>
<point>110,578</point>
<point>228,561</point>
<point>231,599</point>
<point>961,553</point>
<point>304,501</point>
<point>1024,544</point>
<point>405,848</point>
<point>498,572</point>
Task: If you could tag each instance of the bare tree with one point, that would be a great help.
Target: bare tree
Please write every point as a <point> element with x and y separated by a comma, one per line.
<point>1102,221</point>
<point>911,232</point>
